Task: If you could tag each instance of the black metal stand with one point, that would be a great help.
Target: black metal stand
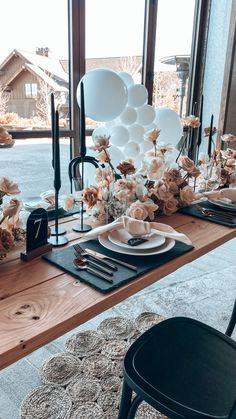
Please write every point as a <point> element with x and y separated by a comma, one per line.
<point>57,239</point>
<point>61,230</point>
<point>80,228</point>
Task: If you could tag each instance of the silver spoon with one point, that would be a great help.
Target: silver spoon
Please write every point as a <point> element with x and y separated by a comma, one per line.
<point>82,266</point>
<point>91,262</point>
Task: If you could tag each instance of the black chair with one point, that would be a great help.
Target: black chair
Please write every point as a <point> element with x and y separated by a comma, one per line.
<point>184,369</point>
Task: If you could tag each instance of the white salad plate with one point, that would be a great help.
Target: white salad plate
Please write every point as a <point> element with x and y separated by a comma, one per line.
<point>121,236</point>
<point>104,241</point>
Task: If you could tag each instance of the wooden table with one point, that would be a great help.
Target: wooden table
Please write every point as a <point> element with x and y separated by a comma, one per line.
<point>39,302</point>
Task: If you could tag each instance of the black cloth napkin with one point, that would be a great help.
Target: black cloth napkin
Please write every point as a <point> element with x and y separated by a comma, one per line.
<point>195,211</point>
<point>64,259</point>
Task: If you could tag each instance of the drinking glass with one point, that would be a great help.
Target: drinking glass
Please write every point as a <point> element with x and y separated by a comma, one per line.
<point>210,176</point>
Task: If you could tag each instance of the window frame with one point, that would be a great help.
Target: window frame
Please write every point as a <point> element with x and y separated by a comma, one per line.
<point>32,87</point>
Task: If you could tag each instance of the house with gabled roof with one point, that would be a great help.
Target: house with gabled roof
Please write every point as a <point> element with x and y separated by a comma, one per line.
<point>21,73</point>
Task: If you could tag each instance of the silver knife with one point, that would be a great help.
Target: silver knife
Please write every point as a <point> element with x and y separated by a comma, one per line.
<point>101,256</point>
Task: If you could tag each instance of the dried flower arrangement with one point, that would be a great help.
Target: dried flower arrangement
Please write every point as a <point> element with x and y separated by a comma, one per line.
<point>11,232</point>
<point>159,186</point>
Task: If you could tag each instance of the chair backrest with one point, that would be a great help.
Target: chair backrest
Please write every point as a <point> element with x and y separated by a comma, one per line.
<point>232,414</point>
<point>232,322</point>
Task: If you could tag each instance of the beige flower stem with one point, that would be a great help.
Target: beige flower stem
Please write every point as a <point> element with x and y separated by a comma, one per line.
<point>109,162</point>
<point>155,148</point>
<point>1,221</point>
<point>183,145</point>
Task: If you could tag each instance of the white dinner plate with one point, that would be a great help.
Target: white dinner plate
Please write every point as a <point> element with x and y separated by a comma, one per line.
<point>121,236</point>
<point>226,206</point>
<point>104,241</point>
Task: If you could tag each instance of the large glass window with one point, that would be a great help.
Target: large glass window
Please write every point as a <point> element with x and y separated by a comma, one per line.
<point>39,58</point>
<point>172,55</point>
<point>114,36</point>
<point>33,64</point>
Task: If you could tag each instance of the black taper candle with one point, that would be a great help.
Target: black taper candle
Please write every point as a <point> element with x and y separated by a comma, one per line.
<point>200,126</point>
<point>57,170</point>
<point>52,125</point>
<point>191,147</point>
<point>210,137</point>
<point>82,122</point>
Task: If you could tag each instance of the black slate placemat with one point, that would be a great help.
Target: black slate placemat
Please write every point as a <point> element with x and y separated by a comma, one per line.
<point>194,210</point>
<point>64,259</point>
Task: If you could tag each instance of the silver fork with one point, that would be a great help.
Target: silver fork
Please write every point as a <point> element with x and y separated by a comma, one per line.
<point>82,252</point>
<point>91,262</point>
<point>82,266</point>
<point>214,213</point>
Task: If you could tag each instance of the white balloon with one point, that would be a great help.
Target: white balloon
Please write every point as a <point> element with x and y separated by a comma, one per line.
<point>136,133</point>
<point>145,115</point>
<point>127,78</point>
<point>137,95</point>
<point>119,135</point>
<point>151,127</point>
<point>131,149</point>
<point>146,146</point>
<point>110,124</point>
<point>168,121</point>
<point>138,160</point>
<point>128,116</point>
<point>99,132</point>
<point>116,155</point>
<point>105,94</point>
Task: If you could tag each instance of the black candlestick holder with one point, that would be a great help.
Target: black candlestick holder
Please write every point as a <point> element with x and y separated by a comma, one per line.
<point>78,180</point>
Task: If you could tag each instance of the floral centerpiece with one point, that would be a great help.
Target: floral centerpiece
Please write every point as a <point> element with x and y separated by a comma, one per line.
<point>11,232</point>
<point>160,186</point>
<point>223,159</point>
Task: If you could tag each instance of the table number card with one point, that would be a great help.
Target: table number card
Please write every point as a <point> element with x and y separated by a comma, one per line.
<point>36,235</point>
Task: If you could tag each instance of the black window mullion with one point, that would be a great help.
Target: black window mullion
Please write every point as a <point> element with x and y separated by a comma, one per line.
<point>76,62</point>
<point>149,42</point>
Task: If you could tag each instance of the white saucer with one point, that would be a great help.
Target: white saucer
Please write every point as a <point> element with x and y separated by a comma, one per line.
<point>104,241</point>
<point>226,206</point>
<point>121,236</point>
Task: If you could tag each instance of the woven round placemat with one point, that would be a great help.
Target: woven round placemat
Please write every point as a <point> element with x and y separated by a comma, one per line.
<point>88,411</point>
<point>117,328</point>
<point>91,371</point>
<point>97,365</point>
<point>146,320</point>
<point>84,389</point>
<point>46,402</point>
<point>145,411</point>
<point>60,369</point>
<point>85,343</point>
<point>115,349</point>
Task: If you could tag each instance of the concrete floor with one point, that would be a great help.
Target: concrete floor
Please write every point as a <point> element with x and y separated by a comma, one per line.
<point>204,289</point>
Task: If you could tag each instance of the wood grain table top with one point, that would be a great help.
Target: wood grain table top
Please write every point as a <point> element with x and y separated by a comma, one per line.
<point>39,302</point>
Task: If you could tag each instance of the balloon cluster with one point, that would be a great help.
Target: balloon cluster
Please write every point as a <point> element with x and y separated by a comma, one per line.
<point>114,99</point>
